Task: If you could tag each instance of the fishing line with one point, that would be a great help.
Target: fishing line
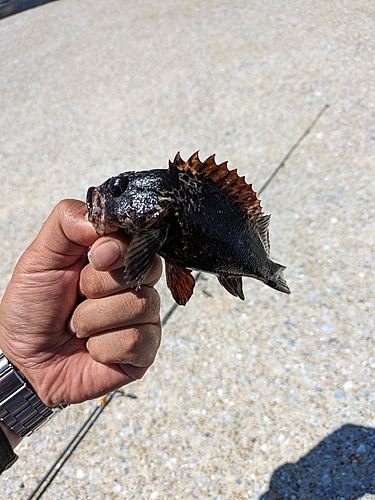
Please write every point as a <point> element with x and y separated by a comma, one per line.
<point>55,468</point>
<point>265,185</point>
<point>292,149</point>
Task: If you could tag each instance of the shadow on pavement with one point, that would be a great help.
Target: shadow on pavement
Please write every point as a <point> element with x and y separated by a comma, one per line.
<point>342,466</point>
<point>9,7</point>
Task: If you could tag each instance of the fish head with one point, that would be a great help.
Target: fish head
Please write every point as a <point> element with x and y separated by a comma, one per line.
<point>131,201</point>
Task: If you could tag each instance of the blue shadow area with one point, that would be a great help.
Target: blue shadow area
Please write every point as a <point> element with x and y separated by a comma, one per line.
<point>9,7</point>
<point>340,466</point>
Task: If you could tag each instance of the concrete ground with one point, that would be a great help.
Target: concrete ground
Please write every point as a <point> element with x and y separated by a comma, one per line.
<point>271,398</point>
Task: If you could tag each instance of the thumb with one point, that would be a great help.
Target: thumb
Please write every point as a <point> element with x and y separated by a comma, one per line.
<point>42,293</point>
<point>62,240</point>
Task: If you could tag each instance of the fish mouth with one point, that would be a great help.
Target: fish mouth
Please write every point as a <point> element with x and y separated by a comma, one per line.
<point>97,215</point>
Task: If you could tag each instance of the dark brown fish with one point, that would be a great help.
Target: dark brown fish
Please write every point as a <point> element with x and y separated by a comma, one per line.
<point>196,215</point>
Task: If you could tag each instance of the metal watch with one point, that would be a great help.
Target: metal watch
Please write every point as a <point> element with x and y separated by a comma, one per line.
<point>20,408</point>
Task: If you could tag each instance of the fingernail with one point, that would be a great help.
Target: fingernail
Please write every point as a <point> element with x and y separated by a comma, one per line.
<point>71,326</point>
<point>104,254</point>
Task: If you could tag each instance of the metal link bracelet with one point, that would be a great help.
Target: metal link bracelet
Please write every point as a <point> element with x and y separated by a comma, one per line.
<point>20,408</point>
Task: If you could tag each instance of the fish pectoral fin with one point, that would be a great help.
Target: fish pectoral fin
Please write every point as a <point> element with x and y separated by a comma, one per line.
<point>180,282</point>
<point>233,285</point>
<point>141,253</point>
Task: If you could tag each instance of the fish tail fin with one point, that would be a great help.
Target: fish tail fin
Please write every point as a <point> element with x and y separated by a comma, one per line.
<point>278,281</point>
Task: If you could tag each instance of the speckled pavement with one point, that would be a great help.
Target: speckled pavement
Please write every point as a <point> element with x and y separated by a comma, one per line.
<point>270,398</point>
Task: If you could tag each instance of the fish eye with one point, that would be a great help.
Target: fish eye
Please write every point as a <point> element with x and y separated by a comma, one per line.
<point>117,186</point>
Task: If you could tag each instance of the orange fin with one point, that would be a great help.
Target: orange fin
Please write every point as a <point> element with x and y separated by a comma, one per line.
<point>180,282</point>
<point>226,180</point>
<point>233,285</point>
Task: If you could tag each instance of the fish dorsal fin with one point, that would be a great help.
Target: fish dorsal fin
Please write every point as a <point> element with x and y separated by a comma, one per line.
<point>225,180</point>
<point>262,225</point>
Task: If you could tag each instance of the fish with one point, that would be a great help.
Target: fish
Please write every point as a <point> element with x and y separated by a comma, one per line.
<point>198,216</point>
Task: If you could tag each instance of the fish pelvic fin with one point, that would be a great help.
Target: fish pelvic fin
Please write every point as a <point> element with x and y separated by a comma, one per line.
<point>180,282</point>
<point>277,281</point>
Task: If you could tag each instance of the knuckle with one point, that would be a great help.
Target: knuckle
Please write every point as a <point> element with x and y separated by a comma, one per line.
<point>135,343</point>
<point>99,287</point>
<point>143,345</point>
<point>84,316</point>
<point>148,303</point>
<point>90,283</point>
<point>81,327</point>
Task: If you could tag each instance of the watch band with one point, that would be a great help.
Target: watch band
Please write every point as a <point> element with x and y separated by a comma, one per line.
<point>20,408</point>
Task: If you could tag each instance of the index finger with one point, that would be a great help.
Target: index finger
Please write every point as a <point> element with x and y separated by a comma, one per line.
<point>108,252</point>
<point>105,274</point>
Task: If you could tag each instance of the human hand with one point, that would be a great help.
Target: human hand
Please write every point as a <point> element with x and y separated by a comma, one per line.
<point>74,329</point>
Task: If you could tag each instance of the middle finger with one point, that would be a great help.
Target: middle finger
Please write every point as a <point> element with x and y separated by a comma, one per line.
<point>128,308</point>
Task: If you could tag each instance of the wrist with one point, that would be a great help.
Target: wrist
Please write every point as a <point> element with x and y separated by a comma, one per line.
<point>13,438</point>
<point>21,410</point>
<point>7,455</point>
